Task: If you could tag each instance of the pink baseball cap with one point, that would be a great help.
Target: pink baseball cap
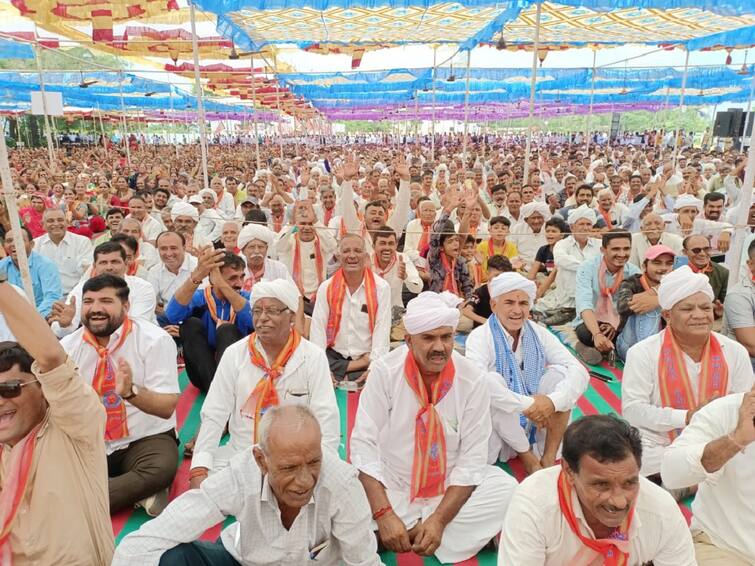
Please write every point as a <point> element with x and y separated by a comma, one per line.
<point>658,250</point>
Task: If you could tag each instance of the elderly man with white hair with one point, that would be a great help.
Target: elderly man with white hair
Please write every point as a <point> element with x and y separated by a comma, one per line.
<point>686,220</point>
<point>536,380</point>
<point>254,243</point>
<point>612,214</point>
<point>273,366</point>
<point>670,375</point>
<point>210,222</point>
<point>420,442</point>
<point>529,234</point>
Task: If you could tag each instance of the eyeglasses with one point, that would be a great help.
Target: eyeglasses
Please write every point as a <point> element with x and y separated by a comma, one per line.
<point>697,251</point>
<point>269,311</point>
<point>12,387</point>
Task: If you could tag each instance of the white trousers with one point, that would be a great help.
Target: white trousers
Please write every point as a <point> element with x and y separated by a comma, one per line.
<point>508,437</point>
<point>478,521</point>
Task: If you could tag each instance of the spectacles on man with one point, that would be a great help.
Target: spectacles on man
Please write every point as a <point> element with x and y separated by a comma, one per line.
<point>698,251</point>
<point>12,388</point>
<point>269,311</point>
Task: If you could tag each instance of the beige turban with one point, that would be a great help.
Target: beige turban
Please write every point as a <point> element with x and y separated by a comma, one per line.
<point>532,207</point>
<point>254,232</point>
<point>511,281</point>
<point>184,209</point>
<point>685,201</point>
<point>428,311</point>
<point>581,212</point>
<point>681,284</point>
<point>282,289</point>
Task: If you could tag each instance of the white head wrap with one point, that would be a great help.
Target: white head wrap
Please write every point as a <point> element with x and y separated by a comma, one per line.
<point>532,207</point>
<point>680,284</point>
<point>428,311</point>
<point>204,192</point>
<point>688,200</point>
<point>582,211</point>
<point>254,232</point>
<point>602,192</point>
<point>184,209</point>
<point>511,281</point>
<point>282,289</point>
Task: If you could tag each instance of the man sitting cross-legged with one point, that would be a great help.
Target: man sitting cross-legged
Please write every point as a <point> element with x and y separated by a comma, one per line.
<point>421,439</point>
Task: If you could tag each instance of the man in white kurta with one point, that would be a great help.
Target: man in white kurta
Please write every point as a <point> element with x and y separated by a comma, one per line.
<point>255,242</point>
<point>304,380</point>
<point>685,299</point>
<point>603,465</point>
<point>715,452</point>
<point>469,497</point>
<point>521,415</point>
<point>529,233</point>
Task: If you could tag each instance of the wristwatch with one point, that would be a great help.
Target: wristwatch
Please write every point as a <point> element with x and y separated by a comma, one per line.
<point>134,393</point>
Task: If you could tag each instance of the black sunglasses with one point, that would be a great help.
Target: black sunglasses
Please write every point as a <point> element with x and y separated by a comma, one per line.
<point>12,387</point>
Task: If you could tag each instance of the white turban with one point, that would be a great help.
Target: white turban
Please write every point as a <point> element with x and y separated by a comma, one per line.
<point>680,284</point>
<point>254,232</point>
<point>428,311</point>
<point>512,281</point>
<point>184,209</point>
<point>581,212</point>
<point>603,192</point>
<point>532,207</point>
<point>204,192</point>
<point>688,200</point>
<point>282,289</point>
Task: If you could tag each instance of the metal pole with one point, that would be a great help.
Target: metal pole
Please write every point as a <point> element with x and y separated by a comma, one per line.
<point>733,258</point>
<point>254,115</point>
<point>199,95</point>
<point>533,84</point>
<point>747,116</point>
<point>278,105</point>
<point>416,118</point>
<point>681,108</point>
<point>432,129</point>
<point>123,120</point>
<point>588,133</point>
<point>15,222</point>
<point>48,134</point>
<point>466,110</point>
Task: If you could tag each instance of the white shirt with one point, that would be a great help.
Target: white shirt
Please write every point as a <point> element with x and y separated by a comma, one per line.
<point>151,227</point>
<point>148,255</point>
<point>640,245</point>
<point>305,381</point>
<point>141,298</point>
<point>641,396</point>
<point>412,238</point>
<point>382,442</point>
<point>724,507</point>
<point>338,514</point>
<point>151,353</point>
<point>536,533</point>
<point>166,282</point>
<point>527,242</point>
<point>285,247</point>
<point>354,337</point>
<point>209,227</point>
<point>273,270</point>
<point>480,350</point>
<point>5,332</point>
<point>72,256</point>
<point>412,281</point>
<point>567,257</point>
<point>226,206</point>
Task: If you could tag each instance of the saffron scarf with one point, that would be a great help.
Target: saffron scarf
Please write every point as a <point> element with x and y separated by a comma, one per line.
<point>615,550</point>
<point>424,239</point>
<point>380,271</point>
<point>296,268</point>
<point>103,382</point>
<point>212,307</point>
<point>327,215</point>
<point>429,465</point>
<point>491,248</point>
<point>278,223</point>
<point>705,270</point>
<point>524,379</point>
<point>673,380</point>
<point>335,296</point>
<point>606,218</point>
<point>264,394</point>
<point>254,276</point>
<point>449,281</point>
<point>605,310</point>
<point>14,489</point>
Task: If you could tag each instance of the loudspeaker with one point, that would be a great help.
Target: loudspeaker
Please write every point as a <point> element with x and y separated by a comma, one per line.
<point>737,123</point>
<point>722,125</point>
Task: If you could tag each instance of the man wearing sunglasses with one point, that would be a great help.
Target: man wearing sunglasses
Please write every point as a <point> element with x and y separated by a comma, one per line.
<point>57,510</point>
<point>697,249</point>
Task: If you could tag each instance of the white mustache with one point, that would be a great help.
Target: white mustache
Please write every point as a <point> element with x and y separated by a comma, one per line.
<point>257,256</point>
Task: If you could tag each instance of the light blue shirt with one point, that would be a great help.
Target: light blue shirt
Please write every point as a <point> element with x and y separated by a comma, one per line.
<point>588,284</point>
<point>45,280</point>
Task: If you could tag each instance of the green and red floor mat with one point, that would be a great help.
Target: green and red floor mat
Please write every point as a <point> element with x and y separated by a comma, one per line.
<point>601,397</point>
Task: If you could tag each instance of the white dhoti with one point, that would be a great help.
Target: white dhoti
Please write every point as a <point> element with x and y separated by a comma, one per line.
<point>478,521</point>
<point>508,437</point>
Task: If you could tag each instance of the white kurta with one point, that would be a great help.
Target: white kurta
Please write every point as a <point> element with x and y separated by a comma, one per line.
<point>535,531</point>
<point>527,242</point>
<point>305,381</point>
<point>72,255</point>
<point>640,245</point>
<point>564,381</point>
<point>641,396</point>
<point>285,247</point>
<point>166,282</point>
<point>567,257</point>
<point>382,446</point>
<point>724,507</point>
<point>412,281</point>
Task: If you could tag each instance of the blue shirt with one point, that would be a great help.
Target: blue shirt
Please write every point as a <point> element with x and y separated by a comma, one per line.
<point>588,284</point>
<point>176,313</point>
<point>45,280</point>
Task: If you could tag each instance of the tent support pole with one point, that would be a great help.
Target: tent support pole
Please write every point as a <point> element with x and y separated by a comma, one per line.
<point>199,95</point>
<point>123,119</point>
<point>588,133</point>
<point>681,108</point>
<point>48,131</point>
<point>432,125</point>
<point>533,84</point>
<point>254,113</point>
<point>466,110</point>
